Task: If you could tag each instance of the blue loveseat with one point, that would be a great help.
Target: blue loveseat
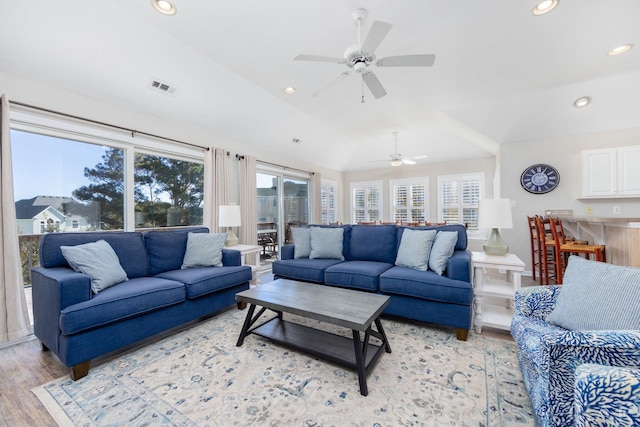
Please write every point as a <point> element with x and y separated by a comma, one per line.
<point>369,265</point>
<point>79,325</point>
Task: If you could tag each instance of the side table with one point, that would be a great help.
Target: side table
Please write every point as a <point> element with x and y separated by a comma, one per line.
<point>495,281</point>
<point>247,250</point>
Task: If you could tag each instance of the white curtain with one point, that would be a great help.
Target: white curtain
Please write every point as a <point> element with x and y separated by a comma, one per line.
<point>248,203</point>
<point>14,317</point>
<point>316,198</point>
<point>216,186</point>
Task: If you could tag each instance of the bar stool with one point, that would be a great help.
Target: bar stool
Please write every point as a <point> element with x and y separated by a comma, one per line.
<point>564,249</point>
<point>548,266</point>
<point>535,250</point>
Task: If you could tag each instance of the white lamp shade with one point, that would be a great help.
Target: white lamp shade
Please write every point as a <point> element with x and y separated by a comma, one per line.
<point>495,213</point>
<point>229,216</point>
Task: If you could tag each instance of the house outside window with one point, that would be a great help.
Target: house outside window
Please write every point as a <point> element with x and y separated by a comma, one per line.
<point>458,198</point>
<point>366,201</point>
<point>409,199</point>
<point>329,201</point>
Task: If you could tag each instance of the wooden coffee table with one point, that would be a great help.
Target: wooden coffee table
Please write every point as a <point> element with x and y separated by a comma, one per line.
<point>351,309</point>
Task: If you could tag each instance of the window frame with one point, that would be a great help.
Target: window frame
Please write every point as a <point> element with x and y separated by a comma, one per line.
<point>474,234</point>
<point>366,185</point>
<point>30,120</point>
<point>328,189</point>
<point>410,182</point>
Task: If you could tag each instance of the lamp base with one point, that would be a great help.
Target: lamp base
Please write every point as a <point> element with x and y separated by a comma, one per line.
<point>232,239</point>
<point>495,246</point>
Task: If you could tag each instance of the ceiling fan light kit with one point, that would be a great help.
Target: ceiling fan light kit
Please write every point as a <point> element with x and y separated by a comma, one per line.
<point>360,56</point>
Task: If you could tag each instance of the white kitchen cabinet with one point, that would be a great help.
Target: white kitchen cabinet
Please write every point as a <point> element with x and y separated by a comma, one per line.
<point>611,172</point>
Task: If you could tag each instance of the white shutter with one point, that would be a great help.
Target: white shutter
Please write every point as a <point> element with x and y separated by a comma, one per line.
<point>459,197</point>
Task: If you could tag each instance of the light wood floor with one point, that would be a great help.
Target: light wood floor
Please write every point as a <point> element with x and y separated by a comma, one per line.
<point>24,366</point>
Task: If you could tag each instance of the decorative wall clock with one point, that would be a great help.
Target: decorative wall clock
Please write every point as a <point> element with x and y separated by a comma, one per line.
<point>539,179</point>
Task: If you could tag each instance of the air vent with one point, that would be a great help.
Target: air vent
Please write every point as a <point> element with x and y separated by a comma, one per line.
<point>162,87</point>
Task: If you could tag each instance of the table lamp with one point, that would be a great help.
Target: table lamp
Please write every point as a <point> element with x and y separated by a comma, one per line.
<point>229,216</point>
<point>495,214</point>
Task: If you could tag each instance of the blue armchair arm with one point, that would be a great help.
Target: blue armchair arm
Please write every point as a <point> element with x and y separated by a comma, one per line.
<point>287,252</point>
<point>607,396</point>
<point>54,289</point>
<point>536,301</point>
<point>231,257</point>
<point>459,266</point>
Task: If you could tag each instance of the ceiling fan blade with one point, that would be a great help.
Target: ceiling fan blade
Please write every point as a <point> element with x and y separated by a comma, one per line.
<point>332,83</point>
<point>374,84</point>
<point>408,162</point>
<point>377,33</point>
<point>425,60</point>
<point>319,58</point>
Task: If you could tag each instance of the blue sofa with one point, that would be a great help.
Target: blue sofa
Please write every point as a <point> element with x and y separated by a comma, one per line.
<point>369,265</point>
<point>78,325</point>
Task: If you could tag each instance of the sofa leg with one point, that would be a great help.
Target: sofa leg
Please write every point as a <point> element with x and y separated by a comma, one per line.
<point>80,370</point>
<point>462,334</point>
<point>242,305</point>
<point>43,347</point>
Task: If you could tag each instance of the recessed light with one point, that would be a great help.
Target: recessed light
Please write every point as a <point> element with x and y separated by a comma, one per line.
<point>289,90</point>
<point>545,7</point>
<point>164,6</point>
<point>620,49</point>
<point>582,102</point>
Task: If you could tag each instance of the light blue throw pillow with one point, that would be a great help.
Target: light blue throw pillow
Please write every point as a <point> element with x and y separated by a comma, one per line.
<point>97,260</point>
<point>597,296</point>
<point>415,247</point>
<point>204,250</point>
<point>442,249</point>
<point>326,243</point>
<point>302,240</point>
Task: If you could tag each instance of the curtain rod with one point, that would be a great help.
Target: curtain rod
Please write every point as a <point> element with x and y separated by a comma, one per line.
<point>241,156</point>
<point>133,131</point>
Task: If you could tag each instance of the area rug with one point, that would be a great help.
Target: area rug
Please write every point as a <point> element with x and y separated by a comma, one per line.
<point>198,377</point>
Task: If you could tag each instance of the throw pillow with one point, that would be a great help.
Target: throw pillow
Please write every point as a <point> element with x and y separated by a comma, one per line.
<point>442,249</point>
<point>415,247</point>
<point>597,296</point>
<point>97,260</point>
<point>302,240</point>
<point>326,243</point>
<point>204,250</point>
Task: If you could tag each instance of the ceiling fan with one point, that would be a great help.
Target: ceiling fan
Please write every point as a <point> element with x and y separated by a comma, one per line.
<point>396,158</point>
<point>360,56</point>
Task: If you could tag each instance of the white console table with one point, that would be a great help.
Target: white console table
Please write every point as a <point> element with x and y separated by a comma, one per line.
<point>495,281</point>
<point>247,250</point>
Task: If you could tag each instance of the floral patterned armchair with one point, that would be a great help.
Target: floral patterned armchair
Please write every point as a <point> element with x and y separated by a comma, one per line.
<point>607,396</point>
<point>549,355</point>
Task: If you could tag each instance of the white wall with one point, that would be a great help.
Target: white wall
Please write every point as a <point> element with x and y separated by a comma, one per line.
<point>564,155</point>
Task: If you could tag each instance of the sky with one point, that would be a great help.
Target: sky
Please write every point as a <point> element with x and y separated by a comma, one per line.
<point>44,165</point>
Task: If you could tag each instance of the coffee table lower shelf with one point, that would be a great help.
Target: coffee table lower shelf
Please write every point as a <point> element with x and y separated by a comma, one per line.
<point>329,346</point>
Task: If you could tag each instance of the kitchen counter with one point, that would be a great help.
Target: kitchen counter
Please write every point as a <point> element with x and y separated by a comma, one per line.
<point>620,235</point>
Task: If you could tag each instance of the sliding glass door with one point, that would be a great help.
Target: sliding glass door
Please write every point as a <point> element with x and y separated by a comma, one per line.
<point>283,203</point>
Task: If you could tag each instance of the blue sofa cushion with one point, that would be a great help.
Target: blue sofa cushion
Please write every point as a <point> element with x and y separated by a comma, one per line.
<point>426,285</point>
<point>166,249</point>
<point>361,275</point>
<point>205,280</point>
<point>129,246</point>
<point>128,299</point>
<point>307,270</point>
<point>373,243</point>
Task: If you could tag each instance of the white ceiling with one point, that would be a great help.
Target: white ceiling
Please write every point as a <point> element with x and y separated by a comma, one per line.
<point>501,75</point>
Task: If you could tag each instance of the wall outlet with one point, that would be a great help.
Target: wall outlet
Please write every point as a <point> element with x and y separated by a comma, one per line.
<point>589,210</point>
<point>616,210</point>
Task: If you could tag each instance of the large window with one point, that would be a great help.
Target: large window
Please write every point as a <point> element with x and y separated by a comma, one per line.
<point>458,197</point>
<point>329,201</point>
<point>409,199</point>
<point>366,201</point>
